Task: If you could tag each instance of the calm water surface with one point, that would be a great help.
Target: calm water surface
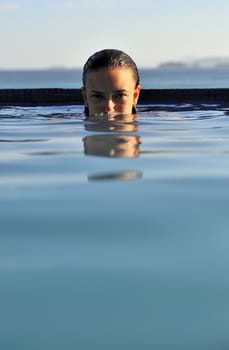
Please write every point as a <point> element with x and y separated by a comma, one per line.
<point>114,233</point>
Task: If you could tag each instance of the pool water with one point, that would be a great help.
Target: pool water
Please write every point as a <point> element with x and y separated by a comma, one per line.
<point>114,233</point>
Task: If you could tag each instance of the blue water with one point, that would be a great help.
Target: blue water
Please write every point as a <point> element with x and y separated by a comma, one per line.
<point>153,78</point>
<point>114,234</point>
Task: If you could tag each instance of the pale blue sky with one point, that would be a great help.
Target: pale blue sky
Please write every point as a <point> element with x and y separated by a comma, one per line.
<point>46,33</point>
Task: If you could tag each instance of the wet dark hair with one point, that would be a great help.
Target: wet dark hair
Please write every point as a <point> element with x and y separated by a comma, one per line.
<point>110,58</point>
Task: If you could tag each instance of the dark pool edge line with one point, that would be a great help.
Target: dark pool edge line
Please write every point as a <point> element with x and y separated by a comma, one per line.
<point>61,96</point>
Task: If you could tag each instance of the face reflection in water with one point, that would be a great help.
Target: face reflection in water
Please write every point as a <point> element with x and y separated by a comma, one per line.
<point>114,137</point>
<point>122,146</point>
<point>112,122</point>
<point>115,143</point>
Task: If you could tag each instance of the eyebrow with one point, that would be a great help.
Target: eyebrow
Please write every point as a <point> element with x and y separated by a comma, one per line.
<point>101,92</point>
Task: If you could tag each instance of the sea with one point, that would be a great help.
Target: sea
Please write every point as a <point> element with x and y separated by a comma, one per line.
<point>151,78</point>
<point>114,230</point>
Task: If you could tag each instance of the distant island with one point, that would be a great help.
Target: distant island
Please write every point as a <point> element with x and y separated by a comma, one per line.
<point>209,62</point>
<point>172,64</point>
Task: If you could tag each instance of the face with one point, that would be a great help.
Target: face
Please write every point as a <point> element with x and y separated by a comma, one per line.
<point>110,90</point>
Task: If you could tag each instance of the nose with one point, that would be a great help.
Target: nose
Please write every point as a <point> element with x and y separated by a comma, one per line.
<point>110,106</point>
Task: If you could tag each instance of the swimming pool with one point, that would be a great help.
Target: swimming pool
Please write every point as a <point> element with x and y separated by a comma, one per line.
<point>114,234</point>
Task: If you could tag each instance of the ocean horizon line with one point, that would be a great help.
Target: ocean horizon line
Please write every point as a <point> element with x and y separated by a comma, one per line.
<point>141,68</point>
<point>151,77</point>
<point>210,62</point>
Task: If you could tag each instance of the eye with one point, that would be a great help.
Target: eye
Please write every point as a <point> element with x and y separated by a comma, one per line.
<point>119,96</point>
<point>97,96</point>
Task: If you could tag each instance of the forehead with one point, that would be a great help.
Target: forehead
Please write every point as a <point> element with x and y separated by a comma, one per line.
<point>120,76</point>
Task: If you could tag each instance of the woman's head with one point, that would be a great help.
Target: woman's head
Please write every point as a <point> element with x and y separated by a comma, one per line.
<point>110,82</point>
<point>110,58</point>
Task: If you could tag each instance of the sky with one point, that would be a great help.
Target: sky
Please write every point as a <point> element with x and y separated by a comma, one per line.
<point>58,33</point>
